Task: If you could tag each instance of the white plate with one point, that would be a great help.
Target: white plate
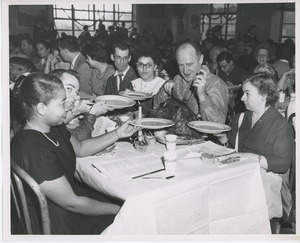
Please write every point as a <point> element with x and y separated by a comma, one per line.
<point>135,95</point>
<point>116,101</point>
<point>152,123</point>
<point>208,127</point>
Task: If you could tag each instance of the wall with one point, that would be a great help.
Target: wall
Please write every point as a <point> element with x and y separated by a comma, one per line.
<point>171,15</point>
<point>20,23</point>
<point>261,16</point>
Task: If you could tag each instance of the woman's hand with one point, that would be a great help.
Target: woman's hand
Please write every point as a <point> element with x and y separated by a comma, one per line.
<point>100,108</point>
<point>222,137</point>
<point>126,130</point>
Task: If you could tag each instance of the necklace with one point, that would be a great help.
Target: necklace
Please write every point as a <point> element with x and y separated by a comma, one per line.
<point>55,144</point>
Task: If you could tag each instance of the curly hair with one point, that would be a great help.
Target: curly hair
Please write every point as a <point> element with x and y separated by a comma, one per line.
<point>147,51</point>
<point>37,88</point>
<point>265,86</point>
<point>267,68</point>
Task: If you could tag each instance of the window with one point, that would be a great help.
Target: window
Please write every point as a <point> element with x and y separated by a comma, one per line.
<point>288,25</point>
<point>220,14</point>
<point>72,18</point>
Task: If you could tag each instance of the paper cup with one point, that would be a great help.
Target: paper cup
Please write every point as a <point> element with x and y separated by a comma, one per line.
<point>171,142</point>
<point>170,158</point>
<point>124,118</point>
<point>281,97</point>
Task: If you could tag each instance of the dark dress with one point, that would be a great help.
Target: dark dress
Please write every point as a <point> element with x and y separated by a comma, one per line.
<point>33,152</point>
<point>271,136</point>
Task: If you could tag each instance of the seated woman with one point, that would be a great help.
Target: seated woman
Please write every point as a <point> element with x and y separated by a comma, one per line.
<point>148,59</point>
<point>262,53</point>
<point>82,129</point>
<point>264,134</point>
<point>47,151</point>
<point>97,59</point>
<point>43,50</point>
<point>26,49</point>
<point>17,67</point>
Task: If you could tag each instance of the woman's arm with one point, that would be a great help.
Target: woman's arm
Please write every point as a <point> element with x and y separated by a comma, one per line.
<point>282,84</point>
<point>60,192</point>
<point>93,145</point>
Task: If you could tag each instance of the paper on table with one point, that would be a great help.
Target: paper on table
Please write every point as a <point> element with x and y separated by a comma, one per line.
<point>127,168</point>
<point>209,147</point>
<point>101,125</point>
<point>215,149</point>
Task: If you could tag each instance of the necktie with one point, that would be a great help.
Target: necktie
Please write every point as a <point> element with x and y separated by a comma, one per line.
<point>120,80</point>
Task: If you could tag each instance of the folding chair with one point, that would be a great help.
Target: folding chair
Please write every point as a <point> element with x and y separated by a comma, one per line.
<point>19,180</point>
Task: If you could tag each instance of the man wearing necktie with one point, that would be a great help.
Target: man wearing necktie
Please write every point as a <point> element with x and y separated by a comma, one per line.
<point>124,74</point>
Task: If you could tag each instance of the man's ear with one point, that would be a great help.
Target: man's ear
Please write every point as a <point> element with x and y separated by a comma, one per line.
<point>129,59</point>
<point>41,108</point>
<point>201,59</point>
<point>112,57</point>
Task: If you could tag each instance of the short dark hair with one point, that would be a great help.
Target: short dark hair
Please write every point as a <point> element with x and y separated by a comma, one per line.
<point>25,63</point>
<point>122,45</point>
<point>96,51</point>
<point>70,43</point>
<point>265,86</point>
<point>26,38</point>
<point>45,43</point>
<point>60,72</point>
<point>225,55</point>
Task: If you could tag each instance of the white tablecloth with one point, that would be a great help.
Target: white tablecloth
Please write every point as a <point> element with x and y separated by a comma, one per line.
<point>200,199</point>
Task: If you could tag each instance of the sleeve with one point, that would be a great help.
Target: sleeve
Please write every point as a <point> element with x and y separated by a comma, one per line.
<point>216,105</point>
<point>37,159</point>
<point>85,128</point>
<point>109,85</point>
<point>85,75</point>
<point>99,80</point>
<point>283,149</point>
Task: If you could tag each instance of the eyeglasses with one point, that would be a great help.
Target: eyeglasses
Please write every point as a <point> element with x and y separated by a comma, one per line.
<point>126,59</point>
<point>223,67</point>
<point>147,65</point>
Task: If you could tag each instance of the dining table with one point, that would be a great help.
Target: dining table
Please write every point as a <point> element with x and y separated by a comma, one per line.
<point>199,198</point>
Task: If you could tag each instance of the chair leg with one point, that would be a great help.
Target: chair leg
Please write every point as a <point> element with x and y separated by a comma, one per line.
<point>275,226</point>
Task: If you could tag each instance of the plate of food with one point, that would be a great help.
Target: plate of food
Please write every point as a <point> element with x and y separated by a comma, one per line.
<point>209,127</point>
<point>135,95</point>
<point>152,123</point>
<point>116,101</point>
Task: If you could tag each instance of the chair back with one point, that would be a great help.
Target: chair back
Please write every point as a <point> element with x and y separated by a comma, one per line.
<point>291,120</point>
<point>19,180</point>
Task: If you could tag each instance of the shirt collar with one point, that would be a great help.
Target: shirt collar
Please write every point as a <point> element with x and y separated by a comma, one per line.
<point>74,60</point>
<point>124,73</point>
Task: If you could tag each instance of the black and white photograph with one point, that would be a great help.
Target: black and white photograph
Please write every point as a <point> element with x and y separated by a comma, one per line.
<point>158,121</point>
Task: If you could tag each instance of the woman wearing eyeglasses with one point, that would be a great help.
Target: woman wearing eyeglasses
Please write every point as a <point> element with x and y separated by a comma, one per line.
<point>148,60</point>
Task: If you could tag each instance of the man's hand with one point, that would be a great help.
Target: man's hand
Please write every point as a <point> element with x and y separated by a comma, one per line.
<point>169,86</point>
<point>199,83</point>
